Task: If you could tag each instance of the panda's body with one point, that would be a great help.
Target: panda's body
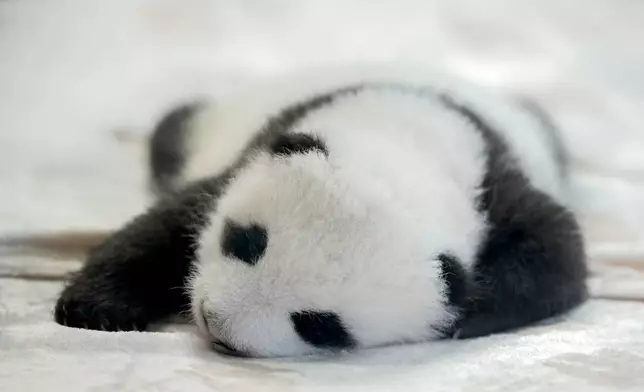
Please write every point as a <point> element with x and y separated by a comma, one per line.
<point>346,212</point>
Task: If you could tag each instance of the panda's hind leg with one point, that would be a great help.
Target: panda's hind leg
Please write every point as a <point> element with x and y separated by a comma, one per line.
<point>168,148</point>
<point>531,268</point>
<point>531,264</point>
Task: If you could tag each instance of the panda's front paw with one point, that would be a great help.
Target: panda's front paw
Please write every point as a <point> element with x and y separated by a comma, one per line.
<point>98,312</point>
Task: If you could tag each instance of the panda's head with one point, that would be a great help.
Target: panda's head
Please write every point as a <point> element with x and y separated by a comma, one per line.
<point>299,258</point>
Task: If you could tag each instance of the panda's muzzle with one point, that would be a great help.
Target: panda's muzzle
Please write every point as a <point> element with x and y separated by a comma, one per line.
<point>217,344</point>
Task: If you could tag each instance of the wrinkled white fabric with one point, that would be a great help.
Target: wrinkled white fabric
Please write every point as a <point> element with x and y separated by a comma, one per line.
<point>600,347</point>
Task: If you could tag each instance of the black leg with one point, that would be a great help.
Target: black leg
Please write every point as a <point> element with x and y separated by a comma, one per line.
<point>137,275</point>
<point>532,266</point>
<point>168,149</point>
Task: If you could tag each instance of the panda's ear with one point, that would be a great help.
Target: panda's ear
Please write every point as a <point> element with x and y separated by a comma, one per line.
<point>297,143</point>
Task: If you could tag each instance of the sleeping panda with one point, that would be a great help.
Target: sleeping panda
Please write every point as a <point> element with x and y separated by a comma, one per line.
<point>329,213</point>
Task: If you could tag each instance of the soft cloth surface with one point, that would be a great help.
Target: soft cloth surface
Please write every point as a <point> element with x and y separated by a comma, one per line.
<point>599,348</point>
<point>82,81</point>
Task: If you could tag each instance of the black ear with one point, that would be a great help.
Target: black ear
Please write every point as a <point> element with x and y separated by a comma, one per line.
<point>297,143</point>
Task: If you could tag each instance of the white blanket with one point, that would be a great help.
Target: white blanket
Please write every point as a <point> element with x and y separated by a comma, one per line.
<point>81,82</point>
<point>598,348</point>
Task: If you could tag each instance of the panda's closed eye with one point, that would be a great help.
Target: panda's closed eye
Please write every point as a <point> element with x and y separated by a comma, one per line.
<point>244,243</point>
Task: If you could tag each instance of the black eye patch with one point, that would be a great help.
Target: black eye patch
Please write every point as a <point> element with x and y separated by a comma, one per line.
<point>245,243</point>
<point>322,329</point>
<point>297,143</point>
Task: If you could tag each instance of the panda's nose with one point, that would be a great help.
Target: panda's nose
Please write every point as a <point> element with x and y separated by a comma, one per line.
<point>226,349</point>
<point>217,343</point>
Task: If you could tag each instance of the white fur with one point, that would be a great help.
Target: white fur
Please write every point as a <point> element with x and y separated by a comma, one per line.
<point>357,233</point>
<point>222,129</point>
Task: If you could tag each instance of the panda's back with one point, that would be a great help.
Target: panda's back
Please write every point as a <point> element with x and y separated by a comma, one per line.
<point>221,131</point>
<point>384,126</point>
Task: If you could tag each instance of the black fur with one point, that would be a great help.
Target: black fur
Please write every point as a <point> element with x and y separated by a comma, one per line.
<point>246,244</point>
<point>531,265</point>
<point>455,278</point>
<point>137,276</point>
<point>286,120</point>
<point>322,329</point>
<point>167,147</point>
<point>297,143</point>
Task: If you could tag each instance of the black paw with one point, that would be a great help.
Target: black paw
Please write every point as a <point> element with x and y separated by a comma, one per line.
<point>98,313</point>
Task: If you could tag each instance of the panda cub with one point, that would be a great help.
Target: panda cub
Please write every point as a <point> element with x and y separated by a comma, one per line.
<point>321,214</point>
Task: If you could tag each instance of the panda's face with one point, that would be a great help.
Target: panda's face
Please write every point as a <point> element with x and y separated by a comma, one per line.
<point>299,259</point>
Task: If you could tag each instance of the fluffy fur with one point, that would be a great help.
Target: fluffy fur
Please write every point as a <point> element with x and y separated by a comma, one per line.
<point>323,214</point>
